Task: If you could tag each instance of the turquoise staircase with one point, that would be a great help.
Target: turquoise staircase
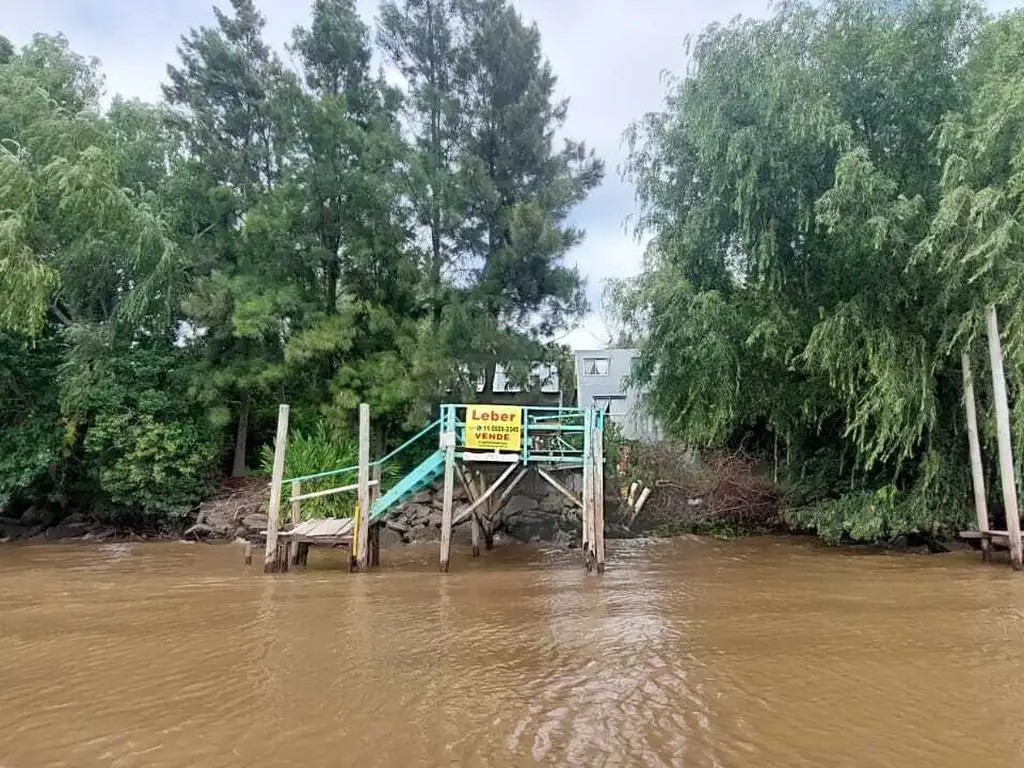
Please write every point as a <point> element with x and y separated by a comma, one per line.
<point>421,477</point>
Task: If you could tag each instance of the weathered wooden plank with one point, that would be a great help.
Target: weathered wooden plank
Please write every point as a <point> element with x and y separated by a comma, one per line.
<point>329,491</point>
<point>1004,438</point>
<point>974,444</point>
<point>449,500</point>
<point>270,555</point>
<point>598,451</point>
<point>493,458</point>
<point>559,487</point>
<point>465,513</point>
<point>362,544</point>
<point>293,548</point>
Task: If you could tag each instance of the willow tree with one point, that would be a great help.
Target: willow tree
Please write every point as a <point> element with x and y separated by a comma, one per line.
<point>976,239</point>
<point>91,416</point>
<point>787,186</point>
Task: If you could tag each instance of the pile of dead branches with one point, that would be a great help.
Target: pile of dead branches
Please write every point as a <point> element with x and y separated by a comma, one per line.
<point>237,508</point>
<point>693,493</point>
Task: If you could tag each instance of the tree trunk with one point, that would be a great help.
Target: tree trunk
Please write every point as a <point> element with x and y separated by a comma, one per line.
<point>241,437</point>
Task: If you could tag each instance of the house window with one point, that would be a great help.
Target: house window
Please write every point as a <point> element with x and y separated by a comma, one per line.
<point>595,366</point>
<point>613,405</point>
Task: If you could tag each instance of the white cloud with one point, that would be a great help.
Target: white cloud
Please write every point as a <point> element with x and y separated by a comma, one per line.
<point>609,56</point>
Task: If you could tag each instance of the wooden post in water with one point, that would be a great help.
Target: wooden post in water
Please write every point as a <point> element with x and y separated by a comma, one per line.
<point>271,560</point>
<point>974,443</point>
<point>293,546</point>
<point>473,494</point>
<point>1006,474</point>
<point>375,475</point>
<point>448,444</point>
<point>598,444</point>
<point>362,550</point>
<point>588,492</point>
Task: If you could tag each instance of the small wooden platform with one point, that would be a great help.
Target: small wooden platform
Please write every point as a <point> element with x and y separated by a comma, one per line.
<point>326,531</point>
<point>999,538</point>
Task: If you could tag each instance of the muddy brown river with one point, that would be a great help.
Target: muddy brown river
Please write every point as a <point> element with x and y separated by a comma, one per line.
<point>685,653</point>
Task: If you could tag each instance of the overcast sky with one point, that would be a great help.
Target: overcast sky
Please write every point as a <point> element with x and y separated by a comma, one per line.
<point>609,56</point>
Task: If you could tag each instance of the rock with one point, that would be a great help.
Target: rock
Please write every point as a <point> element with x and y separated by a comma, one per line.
<point>518,505</point>
<point>101,534</point>
<point>34,516</point>
<point>12,531</point>
<point>59,532</point>
<point>423,497</point>
<point>526,527</point>
<point>397,526</point>
<point>421,535</point>
<point>564,539</point>
<point>390,538</point>
<point>74,518</point>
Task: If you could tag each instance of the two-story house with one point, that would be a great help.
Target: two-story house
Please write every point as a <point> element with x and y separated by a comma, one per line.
<point>601,380</point>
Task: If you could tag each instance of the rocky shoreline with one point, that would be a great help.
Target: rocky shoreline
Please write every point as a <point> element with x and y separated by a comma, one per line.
<point>73,528</point>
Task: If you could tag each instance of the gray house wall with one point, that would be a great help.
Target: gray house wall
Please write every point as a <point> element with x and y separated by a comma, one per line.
<point>624,404</point>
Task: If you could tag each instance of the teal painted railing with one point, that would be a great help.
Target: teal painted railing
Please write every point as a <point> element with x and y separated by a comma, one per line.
<point>549,435</point>
<point>387,457</point>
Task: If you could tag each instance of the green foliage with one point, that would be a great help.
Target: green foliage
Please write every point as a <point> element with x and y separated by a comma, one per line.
<point>144,452</point>
<point>31,444</point>
<point>323,449</point>
<point>278,229</point>
<point>820,191</point>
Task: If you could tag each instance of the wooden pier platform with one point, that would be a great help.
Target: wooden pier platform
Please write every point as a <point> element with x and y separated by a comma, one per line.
<point>323,531</point>
<point>988,541</point>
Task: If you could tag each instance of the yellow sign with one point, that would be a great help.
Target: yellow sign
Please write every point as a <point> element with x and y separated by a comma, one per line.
<point>494,427</point>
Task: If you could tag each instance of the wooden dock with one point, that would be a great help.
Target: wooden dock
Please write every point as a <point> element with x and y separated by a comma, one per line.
<point>522,438</point>
<point>986,541</point>
<point>332,532</point>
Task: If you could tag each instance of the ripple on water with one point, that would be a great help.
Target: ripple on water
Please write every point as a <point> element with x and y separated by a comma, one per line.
<point>686,653</point>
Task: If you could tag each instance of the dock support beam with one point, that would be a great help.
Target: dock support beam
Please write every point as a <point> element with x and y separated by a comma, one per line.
<point>362,542</point>
<point>974,443</point>
<point>271,556</point>
<point>1006,475</point>
<point>375,476</point>
<point>448,444</point>
<point>589,534</point>
<point>597,441</point>
<point>293,546</point>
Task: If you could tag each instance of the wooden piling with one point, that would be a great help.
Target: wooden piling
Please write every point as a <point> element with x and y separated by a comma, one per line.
<point>448,443</point>
<point>588,494</point>
<point>362,549</point>
<point>271,560</point>
<point>375,477</point>
<point>475,532</point>
<point>293,546</point>
<point>470,487</point>
<point>1006,473</point>
<point>247,557</point>
<point>974,443</point>
<point>598,444</point>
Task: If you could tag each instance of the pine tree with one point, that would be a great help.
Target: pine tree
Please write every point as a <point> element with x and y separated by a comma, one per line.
<point>227,96</point>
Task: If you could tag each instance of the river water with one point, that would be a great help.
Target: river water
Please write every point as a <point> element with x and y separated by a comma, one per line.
<point>764,653</point>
